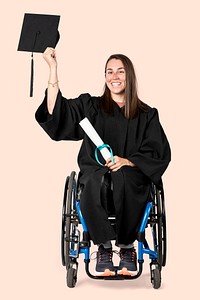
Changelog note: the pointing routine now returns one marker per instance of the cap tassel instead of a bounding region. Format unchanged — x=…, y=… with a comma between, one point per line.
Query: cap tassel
x=32, y=75
x=32, y=64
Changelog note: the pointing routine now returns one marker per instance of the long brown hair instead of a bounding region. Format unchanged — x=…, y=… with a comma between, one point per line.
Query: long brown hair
x=133, y=105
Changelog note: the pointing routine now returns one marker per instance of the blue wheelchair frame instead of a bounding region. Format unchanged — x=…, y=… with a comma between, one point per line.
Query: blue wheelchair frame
x=142, y=249
x=72, y=245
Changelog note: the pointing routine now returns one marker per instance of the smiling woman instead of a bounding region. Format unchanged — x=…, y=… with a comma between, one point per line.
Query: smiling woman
x=141, y=153
x=121, y=86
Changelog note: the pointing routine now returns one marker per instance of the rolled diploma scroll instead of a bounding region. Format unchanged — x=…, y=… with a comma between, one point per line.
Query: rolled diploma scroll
x=95, y=138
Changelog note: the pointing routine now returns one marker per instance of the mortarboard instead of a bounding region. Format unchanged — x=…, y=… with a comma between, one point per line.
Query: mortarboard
x=38, y=32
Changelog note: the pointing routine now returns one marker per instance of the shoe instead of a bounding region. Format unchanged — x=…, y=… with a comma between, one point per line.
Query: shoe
x=128, y=265
x=104, y=266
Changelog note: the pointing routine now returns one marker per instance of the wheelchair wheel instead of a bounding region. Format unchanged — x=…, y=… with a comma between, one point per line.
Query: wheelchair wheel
x=71, y=276
x=68, y=217
x=156, y=278
x=159, y=228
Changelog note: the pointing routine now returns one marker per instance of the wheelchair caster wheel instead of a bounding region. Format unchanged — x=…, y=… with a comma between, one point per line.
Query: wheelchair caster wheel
x=156, y=278
x=71, y=277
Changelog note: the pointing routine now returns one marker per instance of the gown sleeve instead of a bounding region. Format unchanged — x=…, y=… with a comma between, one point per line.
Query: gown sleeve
x=154, y=153
x=63, y=123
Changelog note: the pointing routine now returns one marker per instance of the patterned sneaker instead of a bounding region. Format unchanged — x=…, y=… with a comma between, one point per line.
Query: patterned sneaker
x=104, y=266
x=128, y=265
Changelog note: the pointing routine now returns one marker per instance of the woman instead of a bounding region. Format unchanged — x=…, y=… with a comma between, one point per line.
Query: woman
x=140, y=147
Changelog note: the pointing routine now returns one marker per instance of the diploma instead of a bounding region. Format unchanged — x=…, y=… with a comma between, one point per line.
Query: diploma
x=95, y=138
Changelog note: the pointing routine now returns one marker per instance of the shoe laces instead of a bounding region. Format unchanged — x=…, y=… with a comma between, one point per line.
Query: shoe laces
x=127, y=254
x=105, y=254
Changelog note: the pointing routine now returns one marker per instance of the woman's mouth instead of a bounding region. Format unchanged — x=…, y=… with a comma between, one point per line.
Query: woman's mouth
x=115, y=84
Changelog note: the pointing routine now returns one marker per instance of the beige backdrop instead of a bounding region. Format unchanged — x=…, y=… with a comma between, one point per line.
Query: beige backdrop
x=162, y=39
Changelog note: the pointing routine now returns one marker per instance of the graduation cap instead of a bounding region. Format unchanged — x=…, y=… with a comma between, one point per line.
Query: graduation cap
x=38, y=32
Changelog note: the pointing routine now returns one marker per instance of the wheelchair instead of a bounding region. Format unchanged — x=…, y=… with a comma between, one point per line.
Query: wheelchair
x=75, y=238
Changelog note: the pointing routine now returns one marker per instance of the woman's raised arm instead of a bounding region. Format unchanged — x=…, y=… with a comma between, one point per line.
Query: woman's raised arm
x=50, y=57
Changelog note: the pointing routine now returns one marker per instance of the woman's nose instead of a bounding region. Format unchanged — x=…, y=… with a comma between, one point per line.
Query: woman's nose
x=115, y=75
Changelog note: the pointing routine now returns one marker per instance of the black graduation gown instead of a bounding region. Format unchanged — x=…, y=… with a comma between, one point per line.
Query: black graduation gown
x=141, y=140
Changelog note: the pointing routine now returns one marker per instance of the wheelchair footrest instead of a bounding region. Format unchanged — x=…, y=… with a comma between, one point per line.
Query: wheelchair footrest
x=116, y=276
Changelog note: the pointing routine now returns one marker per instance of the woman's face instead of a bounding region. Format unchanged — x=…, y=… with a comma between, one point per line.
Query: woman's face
x=115, y=77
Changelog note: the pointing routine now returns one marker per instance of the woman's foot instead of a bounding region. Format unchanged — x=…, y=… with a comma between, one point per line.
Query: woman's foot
x=104, y=266
x=128, y=262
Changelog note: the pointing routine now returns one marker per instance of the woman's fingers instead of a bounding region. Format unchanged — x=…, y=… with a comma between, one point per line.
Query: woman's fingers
x=109, y=162
x=118, y=163
x=50, y=56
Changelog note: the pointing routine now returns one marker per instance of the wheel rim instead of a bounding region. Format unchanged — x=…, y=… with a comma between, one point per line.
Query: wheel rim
x=159, y=228
x=68, y=208
x=63, y=229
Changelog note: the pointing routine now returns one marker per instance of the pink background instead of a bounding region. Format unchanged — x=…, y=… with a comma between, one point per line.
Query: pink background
x=162, y=40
